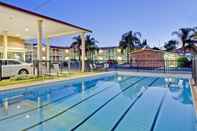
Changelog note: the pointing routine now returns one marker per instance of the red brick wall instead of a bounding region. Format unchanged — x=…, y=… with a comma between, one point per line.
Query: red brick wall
x=147, y=58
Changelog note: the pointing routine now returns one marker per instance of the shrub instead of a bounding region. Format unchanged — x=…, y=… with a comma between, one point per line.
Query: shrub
x=22, y=77
x=182, y=62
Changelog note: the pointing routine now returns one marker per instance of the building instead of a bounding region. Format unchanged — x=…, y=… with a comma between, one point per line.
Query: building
x=111, y=53
x=153, y=58
x=15, y=48
x=57, y=53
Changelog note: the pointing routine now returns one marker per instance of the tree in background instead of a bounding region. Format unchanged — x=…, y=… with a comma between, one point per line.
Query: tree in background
x=144, y=44
x=185, y=35
x=155, y=48
x=129, y=41
x=90, y=46
x=171, y=45
x=76, y=44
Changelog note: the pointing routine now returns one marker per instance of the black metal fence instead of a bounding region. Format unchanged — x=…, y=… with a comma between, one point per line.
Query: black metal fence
x=163, y=66
x=54, y=67
x=194, y=69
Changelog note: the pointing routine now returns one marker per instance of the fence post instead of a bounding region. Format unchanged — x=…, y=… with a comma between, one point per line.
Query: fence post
x=38, y=67
x=194, y=68
x=164, y=63
x=0, y=70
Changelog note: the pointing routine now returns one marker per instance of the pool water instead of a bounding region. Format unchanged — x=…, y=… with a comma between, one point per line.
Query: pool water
x=102, y=103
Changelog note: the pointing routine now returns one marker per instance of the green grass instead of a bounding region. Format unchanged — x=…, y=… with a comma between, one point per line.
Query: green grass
x=25, y=80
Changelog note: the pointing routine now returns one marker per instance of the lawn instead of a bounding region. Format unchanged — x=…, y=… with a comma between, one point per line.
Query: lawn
x=22, y=80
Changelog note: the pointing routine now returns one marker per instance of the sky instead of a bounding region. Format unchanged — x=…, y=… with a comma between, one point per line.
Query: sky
x=109, y=19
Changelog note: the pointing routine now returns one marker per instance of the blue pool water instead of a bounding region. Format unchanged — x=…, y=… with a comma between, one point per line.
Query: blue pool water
x=110, y=102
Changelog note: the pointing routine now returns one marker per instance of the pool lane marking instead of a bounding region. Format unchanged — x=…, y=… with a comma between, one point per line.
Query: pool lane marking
x=99, y=108
x=52, y=102
x=157, y=113
x=131, y=105
x=76, y=104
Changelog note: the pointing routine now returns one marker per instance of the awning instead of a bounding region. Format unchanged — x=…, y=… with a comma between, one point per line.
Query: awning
x=24, y=24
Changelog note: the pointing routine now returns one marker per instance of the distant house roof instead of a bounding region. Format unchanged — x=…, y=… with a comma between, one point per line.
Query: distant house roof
x=148, y=49
x=53, y=46
x=59, y=47
x=108, y=47
x=142, y=50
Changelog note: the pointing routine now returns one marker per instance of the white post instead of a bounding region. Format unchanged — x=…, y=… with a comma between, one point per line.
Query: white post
x=39, y=39
x=48, y=54
x=47, y=49
x=5, y=41
x=82, y=35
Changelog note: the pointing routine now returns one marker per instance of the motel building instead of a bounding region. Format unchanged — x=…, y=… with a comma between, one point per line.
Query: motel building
x=57, y=53
x=18, y=26
x=111, y=53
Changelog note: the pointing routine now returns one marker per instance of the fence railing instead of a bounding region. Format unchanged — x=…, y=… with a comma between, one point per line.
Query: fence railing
x=54, y=67
x=164, y=66
x=194, y=69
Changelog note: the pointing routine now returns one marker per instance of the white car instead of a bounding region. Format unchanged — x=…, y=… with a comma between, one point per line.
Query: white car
x=15, y=67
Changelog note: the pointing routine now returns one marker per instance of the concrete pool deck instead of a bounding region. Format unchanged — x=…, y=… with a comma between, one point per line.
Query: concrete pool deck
x=132, y=73
x=24, y=85
x=194, y=94
x=156, y=74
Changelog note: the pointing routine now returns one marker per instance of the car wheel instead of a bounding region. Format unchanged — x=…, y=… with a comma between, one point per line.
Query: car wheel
x=23, y=72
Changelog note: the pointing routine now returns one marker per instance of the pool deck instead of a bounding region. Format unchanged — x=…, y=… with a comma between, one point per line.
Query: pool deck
x=16, y=86
x=152, y=74
x=156, y=74
x=194, y=94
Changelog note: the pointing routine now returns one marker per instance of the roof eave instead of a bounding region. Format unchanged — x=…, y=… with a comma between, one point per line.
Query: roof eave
x=42, y=16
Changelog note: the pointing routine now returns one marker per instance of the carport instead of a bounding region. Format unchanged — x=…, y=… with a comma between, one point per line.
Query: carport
x=18, y=22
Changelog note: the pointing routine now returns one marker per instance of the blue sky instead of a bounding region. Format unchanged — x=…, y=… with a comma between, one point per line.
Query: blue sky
x=109, y=19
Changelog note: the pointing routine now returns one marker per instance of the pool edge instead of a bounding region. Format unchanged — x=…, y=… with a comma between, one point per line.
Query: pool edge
x=26, y=85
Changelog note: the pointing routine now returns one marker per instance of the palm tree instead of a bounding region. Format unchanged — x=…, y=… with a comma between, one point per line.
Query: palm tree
x=185, y=35
x=192, y=42
x=129, y=41
x=76, y=44
x=171, y=45
x=90, y=46
x=144, y=44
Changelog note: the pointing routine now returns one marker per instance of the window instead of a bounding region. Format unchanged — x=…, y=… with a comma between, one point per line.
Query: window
x=16, y=55
x=12, y=62
x=4, y=62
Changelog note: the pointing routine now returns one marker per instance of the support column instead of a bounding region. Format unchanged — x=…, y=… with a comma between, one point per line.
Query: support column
x=47, y=49
x=5, y=41
x=39, y=40
x=82, y=35
x=48, y=54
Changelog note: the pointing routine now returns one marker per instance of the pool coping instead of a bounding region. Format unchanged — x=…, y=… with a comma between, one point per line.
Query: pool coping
x=26, y=85
x=194, y=95
x=155, y=74
x=132, y=73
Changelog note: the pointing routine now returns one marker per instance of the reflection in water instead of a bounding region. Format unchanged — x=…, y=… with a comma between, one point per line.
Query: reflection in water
x=180, y=91
x=5, y=105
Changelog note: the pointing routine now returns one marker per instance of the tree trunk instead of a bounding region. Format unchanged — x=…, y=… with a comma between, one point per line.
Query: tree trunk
x=128, y=52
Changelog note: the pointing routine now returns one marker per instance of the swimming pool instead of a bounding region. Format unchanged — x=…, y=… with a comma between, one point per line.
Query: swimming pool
x=101, y=103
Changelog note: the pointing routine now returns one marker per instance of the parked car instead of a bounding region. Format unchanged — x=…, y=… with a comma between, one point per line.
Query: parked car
x=15, y=67
x=112, y=62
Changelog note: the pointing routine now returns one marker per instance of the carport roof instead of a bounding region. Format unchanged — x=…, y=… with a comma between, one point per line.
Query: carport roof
x=24, y=23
